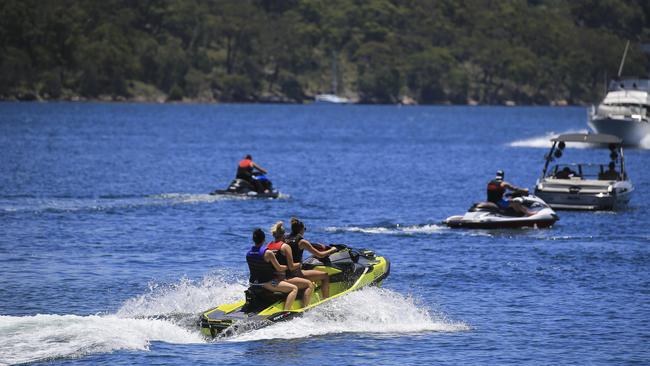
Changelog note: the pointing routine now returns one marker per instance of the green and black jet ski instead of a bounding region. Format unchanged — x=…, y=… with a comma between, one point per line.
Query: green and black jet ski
x=349, y=270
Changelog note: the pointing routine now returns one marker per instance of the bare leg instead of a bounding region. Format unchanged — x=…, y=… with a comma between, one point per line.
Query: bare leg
x=287, y=288
x=303, y=283
x=315, y=275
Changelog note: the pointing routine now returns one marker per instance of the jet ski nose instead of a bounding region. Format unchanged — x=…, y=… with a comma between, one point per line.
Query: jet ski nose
x=556, y=217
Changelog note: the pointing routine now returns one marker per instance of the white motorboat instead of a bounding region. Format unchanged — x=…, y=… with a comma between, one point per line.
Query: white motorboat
x=330, y=98
x=585, y=186
x=624, y=112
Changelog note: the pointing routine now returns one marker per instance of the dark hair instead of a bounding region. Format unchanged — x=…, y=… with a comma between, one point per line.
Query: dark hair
x=249, y=157
x=258, y=236
x=296, y=225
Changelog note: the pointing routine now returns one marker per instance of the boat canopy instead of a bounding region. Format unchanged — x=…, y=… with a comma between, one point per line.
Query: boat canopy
x=596, y=138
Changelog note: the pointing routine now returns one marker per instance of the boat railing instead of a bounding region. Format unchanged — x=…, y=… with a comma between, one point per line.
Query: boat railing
x=584, y=171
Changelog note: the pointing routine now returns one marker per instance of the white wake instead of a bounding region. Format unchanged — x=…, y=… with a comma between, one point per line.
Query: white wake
x=392, y=230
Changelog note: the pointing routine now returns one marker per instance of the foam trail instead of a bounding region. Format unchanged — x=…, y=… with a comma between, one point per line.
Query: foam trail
x=395, y=230
x=371, y=310
x=56, y=204
x=165, y=313
x=45, y=337
x=544, y=141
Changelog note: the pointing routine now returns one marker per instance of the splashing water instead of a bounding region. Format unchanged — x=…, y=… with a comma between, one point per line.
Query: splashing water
x=645, y=143
x=544, y=141
x=394, y=230
x=370, y=310
x=42, y=337
x=165, y=313
x=162, y=314
x=186, y=297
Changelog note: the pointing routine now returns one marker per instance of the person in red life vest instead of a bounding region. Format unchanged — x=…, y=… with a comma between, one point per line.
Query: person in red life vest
x=298, y=244
x=263, y=264
x=245, y=171
x=497, y=187
x=285, y=257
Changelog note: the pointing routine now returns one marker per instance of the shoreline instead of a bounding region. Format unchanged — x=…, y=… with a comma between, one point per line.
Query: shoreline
x=144, y=100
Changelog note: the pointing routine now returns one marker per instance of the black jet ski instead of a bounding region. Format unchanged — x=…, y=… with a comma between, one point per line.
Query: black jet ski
x=349, y=270
x=487, y=215
x=242, y=188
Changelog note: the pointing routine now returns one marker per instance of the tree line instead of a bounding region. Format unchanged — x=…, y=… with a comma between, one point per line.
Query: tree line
x=375, y=51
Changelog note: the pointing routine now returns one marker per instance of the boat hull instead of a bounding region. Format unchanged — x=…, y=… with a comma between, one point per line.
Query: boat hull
x=632, y=132
x=574, y=197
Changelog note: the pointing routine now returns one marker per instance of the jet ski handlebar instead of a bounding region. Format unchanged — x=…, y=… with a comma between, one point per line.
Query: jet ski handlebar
x=519, y=192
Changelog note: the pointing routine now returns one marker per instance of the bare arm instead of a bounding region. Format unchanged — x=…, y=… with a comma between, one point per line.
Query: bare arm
x=286, y=249
x=315, y=252
x=258, y=168
x=270, y=257
x=512, y=187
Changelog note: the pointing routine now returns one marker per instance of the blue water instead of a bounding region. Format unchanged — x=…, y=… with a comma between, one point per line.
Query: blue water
x=110, y=245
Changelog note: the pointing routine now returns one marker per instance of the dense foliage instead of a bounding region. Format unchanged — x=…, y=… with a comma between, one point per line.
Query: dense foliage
x=379, y=51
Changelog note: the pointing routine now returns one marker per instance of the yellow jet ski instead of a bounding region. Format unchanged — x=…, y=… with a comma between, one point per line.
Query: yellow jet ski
x=348, y=269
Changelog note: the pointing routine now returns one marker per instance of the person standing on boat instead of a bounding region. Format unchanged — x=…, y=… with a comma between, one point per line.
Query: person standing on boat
x=245, y=171
x=263, y=265
x=298, y=244
x=285, y=257
x=496, y=188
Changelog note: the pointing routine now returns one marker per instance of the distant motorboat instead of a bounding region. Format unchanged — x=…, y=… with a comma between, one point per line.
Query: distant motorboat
x=330, y=98
x=585, y=186
x=624, y=111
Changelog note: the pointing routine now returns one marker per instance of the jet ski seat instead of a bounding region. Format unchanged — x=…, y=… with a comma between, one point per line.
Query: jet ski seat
x=259, y=298
x=492, y=207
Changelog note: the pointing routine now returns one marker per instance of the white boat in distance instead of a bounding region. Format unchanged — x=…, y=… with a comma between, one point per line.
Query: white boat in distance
x=330, y=98
x=585, y=186
x=624, y=111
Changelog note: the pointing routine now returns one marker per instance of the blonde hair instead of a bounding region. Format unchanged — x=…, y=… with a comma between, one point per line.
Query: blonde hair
x=278, y=229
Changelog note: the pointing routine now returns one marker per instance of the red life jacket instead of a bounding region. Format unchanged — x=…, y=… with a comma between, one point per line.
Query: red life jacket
x=246, y=163
x=495, y=191
x=276, y=246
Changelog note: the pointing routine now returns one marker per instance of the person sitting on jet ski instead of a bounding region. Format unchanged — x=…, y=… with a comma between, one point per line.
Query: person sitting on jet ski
x=246, y=169
x=285, y=257
x=263, y=264
x=496, y=188
x=298, y=244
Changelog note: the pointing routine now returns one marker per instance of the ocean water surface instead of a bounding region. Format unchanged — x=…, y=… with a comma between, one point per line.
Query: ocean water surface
x=110, y=245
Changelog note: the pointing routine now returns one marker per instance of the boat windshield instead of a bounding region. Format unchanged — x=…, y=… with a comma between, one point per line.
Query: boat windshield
x=584, y=171
x=630, y=84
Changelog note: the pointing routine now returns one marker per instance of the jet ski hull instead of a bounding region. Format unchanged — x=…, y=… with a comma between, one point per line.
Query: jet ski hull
x=349, y=270
x=249, y=194
x=242, y=188
x=458, y=222
x=488, y=216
